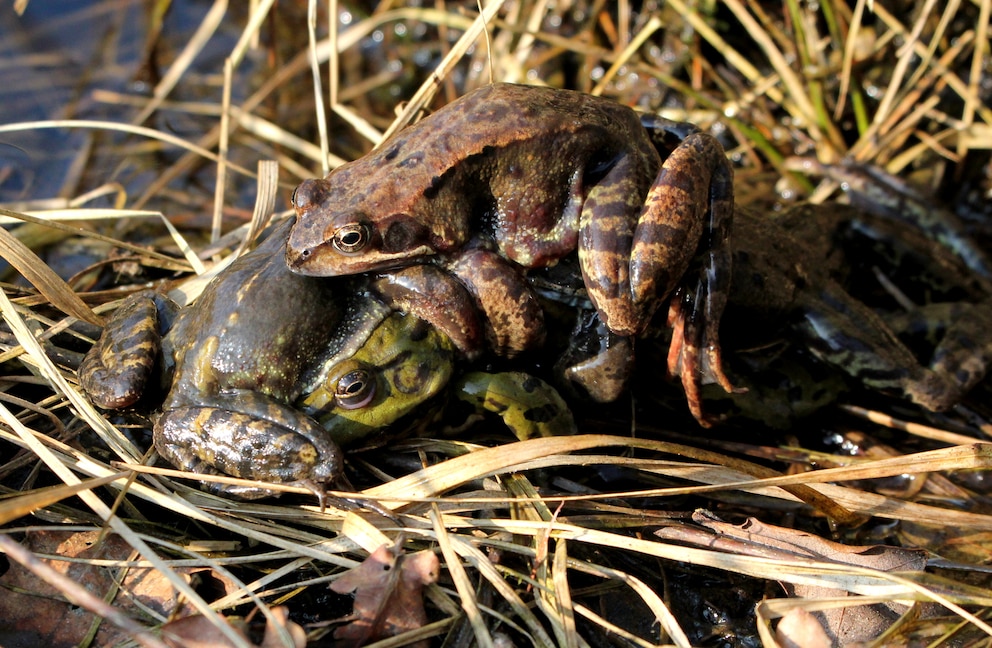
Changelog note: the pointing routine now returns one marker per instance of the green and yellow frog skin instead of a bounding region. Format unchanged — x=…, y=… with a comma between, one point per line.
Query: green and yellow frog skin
x=530, y=175
x=268, y=372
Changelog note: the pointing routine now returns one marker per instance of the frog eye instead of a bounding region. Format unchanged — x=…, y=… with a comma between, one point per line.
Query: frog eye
x=355, y=389
x=351, y=238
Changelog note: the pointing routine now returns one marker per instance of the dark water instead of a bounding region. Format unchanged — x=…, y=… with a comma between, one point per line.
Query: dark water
x=54, y=58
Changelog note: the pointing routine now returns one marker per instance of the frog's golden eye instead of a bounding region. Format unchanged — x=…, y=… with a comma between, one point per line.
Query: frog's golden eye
x=355, y=389
x=351, y=238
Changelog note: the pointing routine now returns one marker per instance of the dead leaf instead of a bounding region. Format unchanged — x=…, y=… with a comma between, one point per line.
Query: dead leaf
x=800, y=629
x=389, y=599
x=32, y=608
x=755, y=538
x=196, y=631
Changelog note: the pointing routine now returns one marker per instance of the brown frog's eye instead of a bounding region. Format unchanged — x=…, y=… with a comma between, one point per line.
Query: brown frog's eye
x=351, y=238
x=355, y=389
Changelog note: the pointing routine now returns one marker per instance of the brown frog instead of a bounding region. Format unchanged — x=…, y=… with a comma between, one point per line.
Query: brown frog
x=527, y=175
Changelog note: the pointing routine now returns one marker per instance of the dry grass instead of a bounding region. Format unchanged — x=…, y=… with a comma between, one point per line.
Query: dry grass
x=823, y=81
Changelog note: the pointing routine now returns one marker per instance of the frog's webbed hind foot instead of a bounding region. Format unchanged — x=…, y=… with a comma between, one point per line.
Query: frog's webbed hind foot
x=695, y=355
x=696, y=177
x=120, y=365
x=962, y=343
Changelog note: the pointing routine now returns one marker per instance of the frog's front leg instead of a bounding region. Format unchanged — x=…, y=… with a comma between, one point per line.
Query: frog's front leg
x=528, y=406
x=513, y=317
x=117, y=369
x=245, y=434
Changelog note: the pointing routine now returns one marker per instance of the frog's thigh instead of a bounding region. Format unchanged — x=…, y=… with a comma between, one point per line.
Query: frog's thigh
x=261, y=439
x=528, y=406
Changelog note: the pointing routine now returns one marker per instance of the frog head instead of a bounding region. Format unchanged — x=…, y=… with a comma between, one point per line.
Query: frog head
x=349, y=223
x=403, y=364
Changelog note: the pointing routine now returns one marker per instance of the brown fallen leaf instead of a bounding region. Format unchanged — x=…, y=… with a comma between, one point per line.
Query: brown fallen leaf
x=800, y=629
x=755, y=538
x=196, y=631
x=389, y=599
x=37, y=612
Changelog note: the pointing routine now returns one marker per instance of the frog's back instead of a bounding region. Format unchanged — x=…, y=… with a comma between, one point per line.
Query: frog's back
x=257, y=325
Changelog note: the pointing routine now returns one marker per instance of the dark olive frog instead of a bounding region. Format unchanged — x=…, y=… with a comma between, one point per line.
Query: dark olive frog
x=269, y=371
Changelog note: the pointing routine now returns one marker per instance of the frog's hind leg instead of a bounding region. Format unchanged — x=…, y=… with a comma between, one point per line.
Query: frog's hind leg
x=853, y=338
x=697, y=303
x=245, y=434
x=961, y=340
x=117, y=369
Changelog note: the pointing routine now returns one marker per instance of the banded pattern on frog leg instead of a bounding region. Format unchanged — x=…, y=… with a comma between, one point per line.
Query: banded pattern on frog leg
x=542, y=173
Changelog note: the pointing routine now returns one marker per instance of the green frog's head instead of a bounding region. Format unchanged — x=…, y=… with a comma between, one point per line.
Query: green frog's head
x=404, y=362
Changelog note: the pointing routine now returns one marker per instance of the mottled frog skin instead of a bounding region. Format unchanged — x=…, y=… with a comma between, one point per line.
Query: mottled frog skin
x=792, y=270
x=530, y=175
x=269, y=371
x=797, y=285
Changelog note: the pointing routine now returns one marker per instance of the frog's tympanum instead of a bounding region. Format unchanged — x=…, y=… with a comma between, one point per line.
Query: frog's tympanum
x=268, y=371
x=530, y=175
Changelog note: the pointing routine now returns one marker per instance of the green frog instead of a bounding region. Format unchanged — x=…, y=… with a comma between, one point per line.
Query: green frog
x=269, y=371
x=524, y=176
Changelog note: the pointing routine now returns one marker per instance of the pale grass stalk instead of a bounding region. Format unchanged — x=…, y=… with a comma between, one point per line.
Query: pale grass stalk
x=463, y=584
x=978, y=58
x=140, y=131
x=513, y=72
x=478, y=560
x=223, y=146
x=318, y=88
x=653, y=25
x=953, y=81
x=803, y=109
x=208, y=25
x=429, y=87
x=563, y=595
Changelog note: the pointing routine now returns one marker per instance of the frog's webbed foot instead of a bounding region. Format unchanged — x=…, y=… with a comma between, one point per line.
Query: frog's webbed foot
x=117, y=369
x=597, y=360
x=697, y=303
x=962, y=350
x=694, y=354
x=528, y=406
